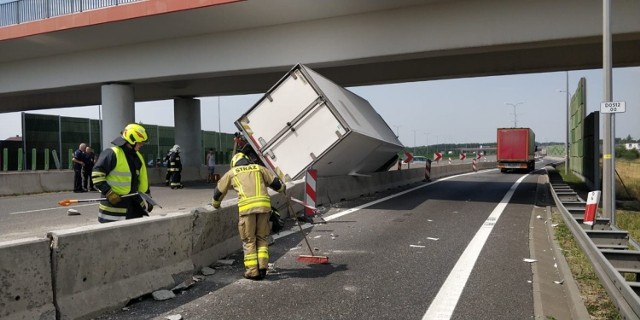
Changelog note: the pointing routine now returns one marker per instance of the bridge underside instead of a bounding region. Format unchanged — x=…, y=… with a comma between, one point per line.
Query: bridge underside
x=363, y=43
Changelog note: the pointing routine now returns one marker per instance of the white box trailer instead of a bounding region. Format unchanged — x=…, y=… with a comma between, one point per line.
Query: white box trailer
x=305, y=120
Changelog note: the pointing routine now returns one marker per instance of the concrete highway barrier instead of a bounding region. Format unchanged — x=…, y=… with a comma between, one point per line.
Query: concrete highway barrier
x=25, y=280
x=93, y=269
x=30, y=182
x=101, y=267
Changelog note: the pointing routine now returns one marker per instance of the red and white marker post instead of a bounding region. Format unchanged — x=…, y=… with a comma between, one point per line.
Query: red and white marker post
x=592, y=206
x=310, y=191
x=474, y=165
x=427, y=170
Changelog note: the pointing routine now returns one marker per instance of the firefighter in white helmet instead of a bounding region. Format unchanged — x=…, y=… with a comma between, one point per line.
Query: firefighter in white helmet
x=174, y=168
x=121, y=170
x=254, y=206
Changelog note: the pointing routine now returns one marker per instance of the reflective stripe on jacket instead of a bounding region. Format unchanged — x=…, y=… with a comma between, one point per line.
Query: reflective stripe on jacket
x=120, y=177
x=251, y=183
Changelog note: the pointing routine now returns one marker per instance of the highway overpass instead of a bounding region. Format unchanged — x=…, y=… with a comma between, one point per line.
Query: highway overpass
x=158, y=50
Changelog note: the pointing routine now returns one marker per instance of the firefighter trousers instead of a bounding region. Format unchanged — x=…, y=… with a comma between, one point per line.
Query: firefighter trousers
x=254, y=230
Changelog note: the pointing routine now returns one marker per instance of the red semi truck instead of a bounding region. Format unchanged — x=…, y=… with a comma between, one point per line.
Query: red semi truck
x=516, y=149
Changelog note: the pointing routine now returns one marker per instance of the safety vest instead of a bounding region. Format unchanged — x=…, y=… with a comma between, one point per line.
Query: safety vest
x=252, y=192
x=120, y=177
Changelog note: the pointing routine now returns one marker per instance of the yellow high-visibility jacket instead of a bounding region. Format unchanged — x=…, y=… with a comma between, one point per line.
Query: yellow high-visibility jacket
x=251, y=182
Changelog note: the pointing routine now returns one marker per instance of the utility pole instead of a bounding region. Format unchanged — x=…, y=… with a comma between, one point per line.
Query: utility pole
x=608, y=152
x=414, y=141
x=515, y=115
x=219, y=128
x=567, y=145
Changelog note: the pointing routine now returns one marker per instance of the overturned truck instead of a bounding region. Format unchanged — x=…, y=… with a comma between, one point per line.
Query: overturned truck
x=307, y=121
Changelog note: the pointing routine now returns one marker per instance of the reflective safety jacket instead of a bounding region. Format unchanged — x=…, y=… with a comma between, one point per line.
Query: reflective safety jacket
x=174, y=163
x=113, y=172
x=251, y=182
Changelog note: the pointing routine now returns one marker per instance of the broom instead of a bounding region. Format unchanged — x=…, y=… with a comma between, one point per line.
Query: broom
x=306, y=258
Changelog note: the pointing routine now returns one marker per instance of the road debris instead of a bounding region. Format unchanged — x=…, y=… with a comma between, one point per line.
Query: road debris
x=184, y=285
x=162, y=295
x=416, y=246
x=529, y=260
x=433, y=239
x=225, y=262
x=73, y=212
x=207, y=271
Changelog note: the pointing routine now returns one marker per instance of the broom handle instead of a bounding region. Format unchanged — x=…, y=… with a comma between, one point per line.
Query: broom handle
x=298, y=223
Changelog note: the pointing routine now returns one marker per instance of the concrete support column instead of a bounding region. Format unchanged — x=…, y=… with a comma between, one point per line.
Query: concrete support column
x=118, y=110
x=188, y=134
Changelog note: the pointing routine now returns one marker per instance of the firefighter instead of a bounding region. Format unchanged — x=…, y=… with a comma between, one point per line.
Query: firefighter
x=254, y=206
x=174, y=168
x=119, y=171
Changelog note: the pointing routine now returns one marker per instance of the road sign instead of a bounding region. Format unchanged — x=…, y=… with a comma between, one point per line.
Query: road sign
x=463, y=156
x=613, y=107
x=437, y=156
x=408, y=157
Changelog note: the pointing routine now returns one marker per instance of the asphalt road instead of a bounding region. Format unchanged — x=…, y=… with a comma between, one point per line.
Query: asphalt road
x=396, y=258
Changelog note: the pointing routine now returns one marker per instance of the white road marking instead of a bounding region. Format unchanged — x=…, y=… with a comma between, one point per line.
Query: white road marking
x=65, y=208
x=447, y=298
x=352, y=210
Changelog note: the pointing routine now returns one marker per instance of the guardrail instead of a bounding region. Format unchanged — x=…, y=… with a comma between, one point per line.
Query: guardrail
x=610, y=250
x=20, y=11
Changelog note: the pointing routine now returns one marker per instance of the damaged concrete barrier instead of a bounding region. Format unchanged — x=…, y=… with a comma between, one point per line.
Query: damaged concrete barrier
x=25, y=280
x=101, y=267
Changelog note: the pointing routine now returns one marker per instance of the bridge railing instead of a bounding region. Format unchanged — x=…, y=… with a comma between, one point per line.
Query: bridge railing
x=20, y=11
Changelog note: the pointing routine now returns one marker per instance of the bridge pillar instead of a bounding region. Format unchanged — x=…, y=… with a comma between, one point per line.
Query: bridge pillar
x=188, y=134
x=118, y=110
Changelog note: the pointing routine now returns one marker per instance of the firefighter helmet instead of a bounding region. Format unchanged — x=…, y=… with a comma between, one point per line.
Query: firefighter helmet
x=240, y=159
x=134, y=133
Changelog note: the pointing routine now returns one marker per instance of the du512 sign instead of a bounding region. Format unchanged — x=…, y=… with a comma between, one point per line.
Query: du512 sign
x=613, y=107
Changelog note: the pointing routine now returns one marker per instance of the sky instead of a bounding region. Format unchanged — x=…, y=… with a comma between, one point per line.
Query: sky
x=467, y=110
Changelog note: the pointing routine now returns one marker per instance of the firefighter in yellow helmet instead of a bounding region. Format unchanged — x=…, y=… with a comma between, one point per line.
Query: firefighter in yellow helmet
x=119, y=171
x=254, y=206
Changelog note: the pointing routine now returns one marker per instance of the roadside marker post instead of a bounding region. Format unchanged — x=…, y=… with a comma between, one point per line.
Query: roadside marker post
x=590, y=209
x=427, y=170
x=310, y=191
x=474, y=165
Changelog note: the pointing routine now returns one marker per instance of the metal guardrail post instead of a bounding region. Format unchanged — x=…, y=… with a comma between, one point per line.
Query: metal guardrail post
x=46, y=159
x=20, y=159
x=34, y=159
x=5, y=159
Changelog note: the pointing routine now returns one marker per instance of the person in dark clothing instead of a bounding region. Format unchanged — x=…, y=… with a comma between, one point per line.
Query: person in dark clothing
x=89, y=161
x=78, y=163
x=167, y=178
x=121, y=174
x=174, y=168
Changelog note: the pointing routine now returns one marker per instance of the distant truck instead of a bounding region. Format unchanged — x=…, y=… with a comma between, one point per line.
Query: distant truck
x=516, y=149
x=305, y=120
